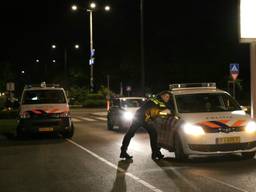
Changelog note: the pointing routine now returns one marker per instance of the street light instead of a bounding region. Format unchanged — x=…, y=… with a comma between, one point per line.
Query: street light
x=54, y=46
x=37, y=61
x=91, y=9
x=93, y=5
x=77, y=46
x=54, y=61
x=107, y=8
x=74, y=7
x=248, y=35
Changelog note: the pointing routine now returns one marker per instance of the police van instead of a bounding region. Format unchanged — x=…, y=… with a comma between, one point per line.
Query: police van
x=205, y=121
x=44, y=109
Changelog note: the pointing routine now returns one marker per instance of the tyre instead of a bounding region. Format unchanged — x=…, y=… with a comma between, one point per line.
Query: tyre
x=248, y=155
x=69, y=133
x=178, y=149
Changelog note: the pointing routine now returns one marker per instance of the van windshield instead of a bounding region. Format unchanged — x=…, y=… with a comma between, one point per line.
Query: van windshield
x=206, y=102
x=43, y=96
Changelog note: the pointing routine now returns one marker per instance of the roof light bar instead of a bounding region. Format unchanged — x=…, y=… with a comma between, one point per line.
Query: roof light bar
x=192, y=86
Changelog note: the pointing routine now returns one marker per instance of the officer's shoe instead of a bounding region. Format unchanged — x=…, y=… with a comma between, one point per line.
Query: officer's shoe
x=157, y=155
x=125, y=155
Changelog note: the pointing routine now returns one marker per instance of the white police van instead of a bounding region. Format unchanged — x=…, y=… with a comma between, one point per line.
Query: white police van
x=43, y=109
x=205, y=121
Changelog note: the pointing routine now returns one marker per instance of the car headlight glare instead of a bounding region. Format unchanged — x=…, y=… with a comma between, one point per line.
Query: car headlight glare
x=128, y=115
x=194, y=130
x=250, y=127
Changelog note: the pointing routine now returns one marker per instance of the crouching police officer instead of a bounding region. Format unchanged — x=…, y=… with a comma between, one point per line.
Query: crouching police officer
x=144, y=118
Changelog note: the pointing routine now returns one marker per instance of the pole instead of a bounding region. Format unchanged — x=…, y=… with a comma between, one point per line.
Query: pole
x=91, y=49
x=66, y=67
x=234, y=88
x=142, y=47
x=253, y=77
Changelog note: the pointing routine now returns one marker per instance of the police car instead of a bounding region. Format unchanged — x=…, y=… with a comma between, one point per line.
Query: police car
x=121, y=112
x=205, y=121
x=43, y=109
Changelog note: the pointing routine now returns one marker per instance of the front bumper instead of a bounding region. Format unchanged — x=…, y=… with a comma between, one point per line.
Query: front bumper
x=207, y=145
x=39, y=125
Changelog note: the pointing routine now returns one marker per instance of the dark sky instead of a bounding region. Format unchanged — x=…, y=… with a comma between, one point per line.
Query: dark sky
x=185, y=41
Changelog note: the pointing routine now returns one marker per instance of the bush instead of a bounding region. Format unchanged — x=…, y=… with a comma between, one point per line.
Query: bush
x=94, y=103
x=8, y=114
x=2, y=102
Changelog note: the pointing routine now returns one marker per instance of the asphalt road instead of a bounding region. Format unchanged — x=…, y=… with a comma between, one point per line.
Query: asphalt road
x=90, y=163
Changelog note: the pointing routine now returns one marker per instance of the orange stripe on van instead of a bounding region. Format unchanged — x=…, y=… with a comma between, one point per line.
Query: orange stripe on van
x=209, y=124
x=224, y=121
x=238, y=123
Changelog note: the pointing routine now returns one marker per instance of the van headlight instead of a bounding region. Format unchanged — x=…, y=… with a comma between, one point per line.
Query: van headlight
x=250, y=127
x=194, y=130
x=128, y=115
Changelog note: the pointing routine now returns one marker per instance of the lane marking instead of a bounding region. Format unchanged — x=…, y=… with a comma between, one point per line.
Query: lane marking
x=224, y=183
x=101, y=118
x=75, y=120
x=141, y=181
x=87, y=119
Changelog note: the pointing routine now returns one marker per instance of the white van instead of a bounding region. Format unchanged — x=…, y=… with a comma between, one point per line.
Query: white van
x=44, y=108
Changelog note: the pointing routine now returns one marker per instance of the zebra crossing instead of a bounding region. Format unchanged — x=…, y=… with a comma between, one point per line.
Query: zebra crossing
x=78, y=119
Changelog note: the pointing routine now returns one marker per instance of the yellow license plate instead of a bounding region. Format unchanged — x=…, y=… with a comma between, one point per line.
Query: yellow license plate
x=45, y=129
x=227, y=140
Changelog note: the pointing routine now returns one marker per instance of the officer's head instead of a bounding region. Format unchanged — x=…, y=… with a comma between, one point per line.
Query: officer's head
x=165, y=96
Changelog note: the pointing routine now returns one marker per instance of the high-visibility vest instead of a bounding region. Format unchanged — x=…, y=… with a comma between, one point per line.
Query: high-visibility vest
x=154, y=112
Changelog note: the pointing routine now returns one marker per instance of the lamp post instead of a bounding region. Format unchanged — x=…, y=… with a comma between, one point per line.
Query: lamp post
x=76, y=46
x=248, y=35
x=90, y=10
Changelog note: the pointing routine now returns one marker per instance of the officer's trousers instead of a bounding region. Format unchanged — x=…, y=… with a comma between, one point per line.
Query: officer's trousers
x=131, y=132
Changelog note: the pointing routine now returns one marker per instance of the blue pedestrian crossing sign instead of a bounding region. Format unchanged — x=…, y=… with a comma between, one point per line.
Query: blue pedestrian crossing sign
x=234, y=70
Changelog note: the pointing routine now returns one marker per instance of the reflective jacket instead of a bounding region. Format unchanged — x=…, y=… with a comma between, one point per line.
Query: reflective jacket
x=150, y=110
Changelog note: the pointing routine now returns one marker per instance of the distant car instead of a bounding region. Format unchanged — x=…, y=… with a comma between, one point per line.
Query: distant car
x=121, y=112
x=205, y=121
x=44, y=109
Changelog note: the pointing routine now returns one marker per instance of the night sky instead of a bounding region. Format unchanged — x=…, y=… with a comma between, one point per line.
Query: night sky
x=185, y=41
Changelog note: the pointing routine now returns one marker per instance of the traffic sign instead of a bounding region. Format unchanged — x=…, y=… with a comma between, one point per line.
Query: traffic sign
x=128, y=88
x=91, y=61
x=234, y=70
x=92, y=53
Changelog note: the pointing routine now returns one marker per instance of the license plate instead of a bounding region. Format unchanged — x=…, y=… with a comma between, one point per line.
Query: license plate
x=45, y=129
x=227, y=140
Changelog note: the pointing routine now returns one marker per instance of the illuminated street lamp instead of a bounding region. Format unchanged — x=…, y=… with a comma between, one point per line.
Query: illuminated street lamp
x=91, y=9
x=248, y=35
x=107, y=8
x=74, y=7
x=77, y=46
x=54, y=61
x=54, y=46
x=37, y=61
x=92, y=5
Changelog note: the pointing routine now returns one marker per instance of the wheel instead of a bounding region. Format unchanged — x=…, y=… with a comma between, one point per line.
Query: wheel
x=178, y=149
x=110, y=124
x=69, y=133
x=249, y=155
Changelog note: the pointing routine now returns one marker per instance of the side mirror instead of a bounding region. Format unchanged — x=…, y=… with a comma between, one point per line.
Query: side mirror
x=245, y=109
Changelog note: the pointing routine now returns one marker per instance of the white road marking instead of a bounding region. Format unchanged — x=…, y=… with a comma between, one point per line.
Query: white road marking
x=101, y=118
x=224, y=183
x=141, y=181
x=87, y=119
x=75, y=120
